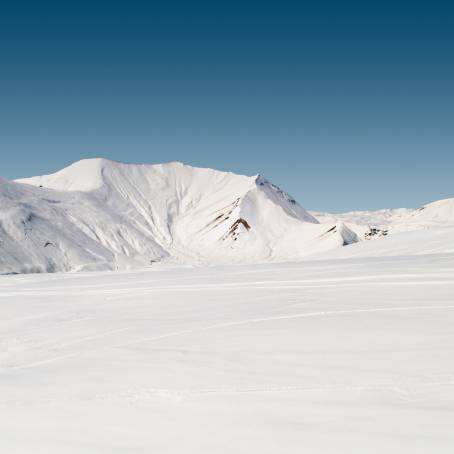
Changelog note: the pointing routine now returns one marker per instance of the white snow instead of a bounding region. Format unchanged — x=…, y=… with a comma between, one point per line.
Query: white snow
x=435, y=214
x=85, y=175
x=321, y=356
x=102, y=215
x=98, y=214
x=382, y=219
x=345, y=350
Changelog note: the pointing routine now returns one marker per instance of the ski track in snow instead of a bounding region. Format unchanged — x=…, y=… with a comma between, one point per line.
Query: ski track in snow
x=208, y=328
x=267, y=359
x=212, y=327
x=285, y=317
x=409, y=394
x=254, y=285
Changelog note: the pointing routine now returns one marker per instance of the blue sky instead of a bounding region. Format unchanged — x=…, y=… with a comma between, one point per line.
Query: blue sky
x=344, y=105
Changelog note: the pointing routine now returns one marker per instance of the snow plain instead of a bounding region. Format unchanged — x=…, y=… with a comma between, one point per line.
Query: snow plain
x=352, y=354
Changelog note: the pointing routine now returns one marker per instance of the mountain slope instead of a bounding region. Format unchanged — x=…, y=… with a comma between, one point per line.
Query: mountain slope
x=99, y=214
x=374, y=224
x=436, y=213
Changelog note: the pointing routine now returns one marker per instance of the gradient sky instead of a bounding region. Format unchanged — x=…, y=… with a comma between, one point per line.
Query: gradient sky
x=344, y=105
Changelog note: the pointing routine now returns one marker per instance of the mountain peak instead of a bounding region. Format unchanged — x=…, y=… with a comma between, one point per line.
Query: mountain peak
x=101, y=213
x=84, y=175
x=91, y=174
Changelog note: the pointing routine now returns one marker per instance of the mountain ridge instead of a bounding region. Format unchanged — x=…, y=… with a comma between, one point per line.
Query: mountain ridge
x=101, y=214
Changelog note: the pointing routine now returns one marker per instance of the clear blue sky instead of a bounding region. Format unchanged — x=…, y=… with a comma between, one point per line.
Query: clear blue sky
x=345, y=105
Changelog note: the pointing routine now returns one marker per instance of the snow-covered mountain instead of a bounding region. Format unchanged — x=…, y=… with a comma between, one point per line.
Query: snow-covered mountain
x=99, y=214
x=373, y=224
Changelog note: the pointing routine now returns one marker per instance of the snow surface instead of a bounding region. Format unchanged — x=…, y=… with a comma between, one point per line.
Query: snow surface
x=320, y=356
